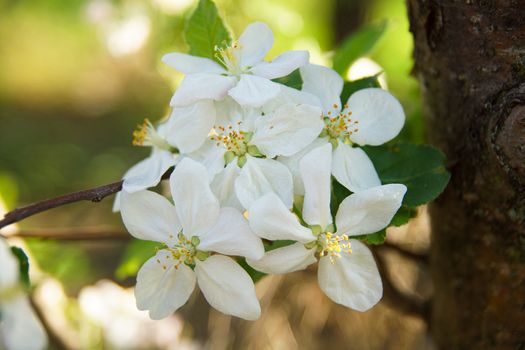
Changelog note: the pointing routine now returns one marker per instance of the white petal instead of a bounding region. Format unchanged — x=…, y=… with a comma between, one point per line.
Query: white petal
x=352, y=280
x=380, y=116
x=316, y=169
x=223, y=186
x=288, y=130
x=292, y=163
x=289, y=95
x=201, y=86
x=254, y=91
x=148, y=172
x=9, y=266
x=211, y=157
x=324, y=83
x=227, y=287
x=269, y=218
x=161, y=287
x=353, y=169
x=116, y=203
x=370, y=210
x=261, y=176
x=254, y=43
x=196, y=205
x=149, y=216
x=291, y=258
x=232, y=236
x=189, y=64
x=281, y=65
x=189, y=126
x=20, y=329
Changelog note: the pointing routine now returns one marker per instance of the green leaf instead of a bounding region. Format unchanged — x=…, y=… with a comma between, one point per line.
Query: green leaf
x=403, y=215
x=420, y=167
x=352, y=86
x=205, y=30
x=254, y=274
x=136, y=254
x=357, y=45
x=373, y=238
x=277, y=244
x=23, y=264
x=292, y=80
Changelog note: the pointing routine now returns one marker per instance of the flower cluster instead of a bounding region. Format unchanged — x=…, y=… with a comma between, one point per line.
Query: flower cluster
x=256, y=160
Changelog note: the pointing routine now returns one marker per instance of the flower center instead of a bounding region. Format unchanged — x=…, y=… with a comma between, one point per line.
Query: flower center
x=332, y=245
x=146, y=135
x=184, y=251
x=228, y=58
x=340, y=126
x=231, y=139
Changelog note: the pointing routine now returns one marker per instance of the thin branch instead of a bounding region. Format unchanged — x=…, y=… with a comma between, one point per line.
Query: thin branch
x=75, y=234
x=94, y=195
x=397, y=299
x=418, y=257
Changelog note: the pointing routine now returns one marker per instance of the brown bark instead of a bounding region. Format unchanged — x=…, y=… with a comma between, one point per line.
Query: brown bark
x=470, y=60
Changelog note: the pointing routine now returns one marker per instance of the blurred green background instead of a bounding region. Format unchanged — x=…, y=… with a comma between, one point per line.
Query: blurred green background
x=76, y=76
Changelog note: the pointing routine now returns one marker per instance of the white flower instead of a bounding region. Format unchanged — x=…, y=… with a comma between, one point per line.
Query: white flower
x=243, y=75
x=370, y=117
x=19, y=327
x=347, y=271
x=246, y=140
x=190, y=230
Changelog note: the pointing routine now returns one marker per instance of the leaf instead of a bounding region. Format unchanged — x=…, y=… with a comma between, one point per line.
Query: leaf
x=292, y=80
x=254, y=274
x=205, y=30
x=357, y=45
x=420, y=167
x=23, y=265
x=136, y=254
x=277, y=244
x=352, y=86
x=403, y=215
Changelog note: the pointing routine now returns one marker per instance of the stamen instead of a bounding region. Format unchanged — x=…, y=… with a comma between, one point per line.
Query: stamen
x=333, y=245
x=147, y=135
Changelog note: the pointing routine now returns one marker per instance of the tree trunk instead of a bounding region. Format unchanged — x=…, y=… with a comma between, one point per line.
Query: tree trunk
x=470, y=60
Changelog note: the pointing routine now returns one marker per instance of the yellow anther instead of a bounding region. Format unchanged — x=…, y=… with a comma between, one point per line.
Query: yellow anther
x=333, y=245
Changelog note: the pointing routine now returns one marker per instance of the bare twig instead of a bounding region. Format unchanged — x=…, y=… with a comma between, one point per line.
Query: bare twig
x=94, y=195
x=75, y=234
x=418, y=257
x=397, y=299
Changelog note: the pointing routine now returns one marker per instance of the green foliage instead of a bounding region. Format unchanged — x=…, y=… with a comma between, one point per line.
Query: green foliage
x=352, y=86
x=357, y=45
x=136, y=254
x=254, y=274
x=205, y=30
x=403, y=215
x=23, y=264
x=420, y=167
x=373, y=238
x=292, y=80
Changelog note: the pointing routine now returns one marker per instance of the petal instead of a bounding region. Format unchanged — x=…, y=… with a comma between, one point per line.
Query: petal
x=211, y=157
x=292, y=163
x=223, y=186
x=260, y=176
x=197, y=207
x=148, y=172
x=316, y=169
x=254, y=91
x=254, y=43
x=116, y=203
x=163, y=285
x=289, y=95
x=281, y=65
x=20, y=328
x=353, y=169
x=324, y=83
x=149, y=216
x=269, y=218
x=189, y=64
x=227, y=287
x=352, y=280
x=370, y=210
x=232, y=236
x=189, y=126
x=287, y=131
x=291, y=258
x=9, y=263
x=201, y=86
x=380, y=116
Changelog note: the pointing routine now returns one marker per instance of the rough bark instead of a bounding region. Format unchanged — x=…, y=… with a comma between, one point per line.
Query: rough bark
x=470, y=60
